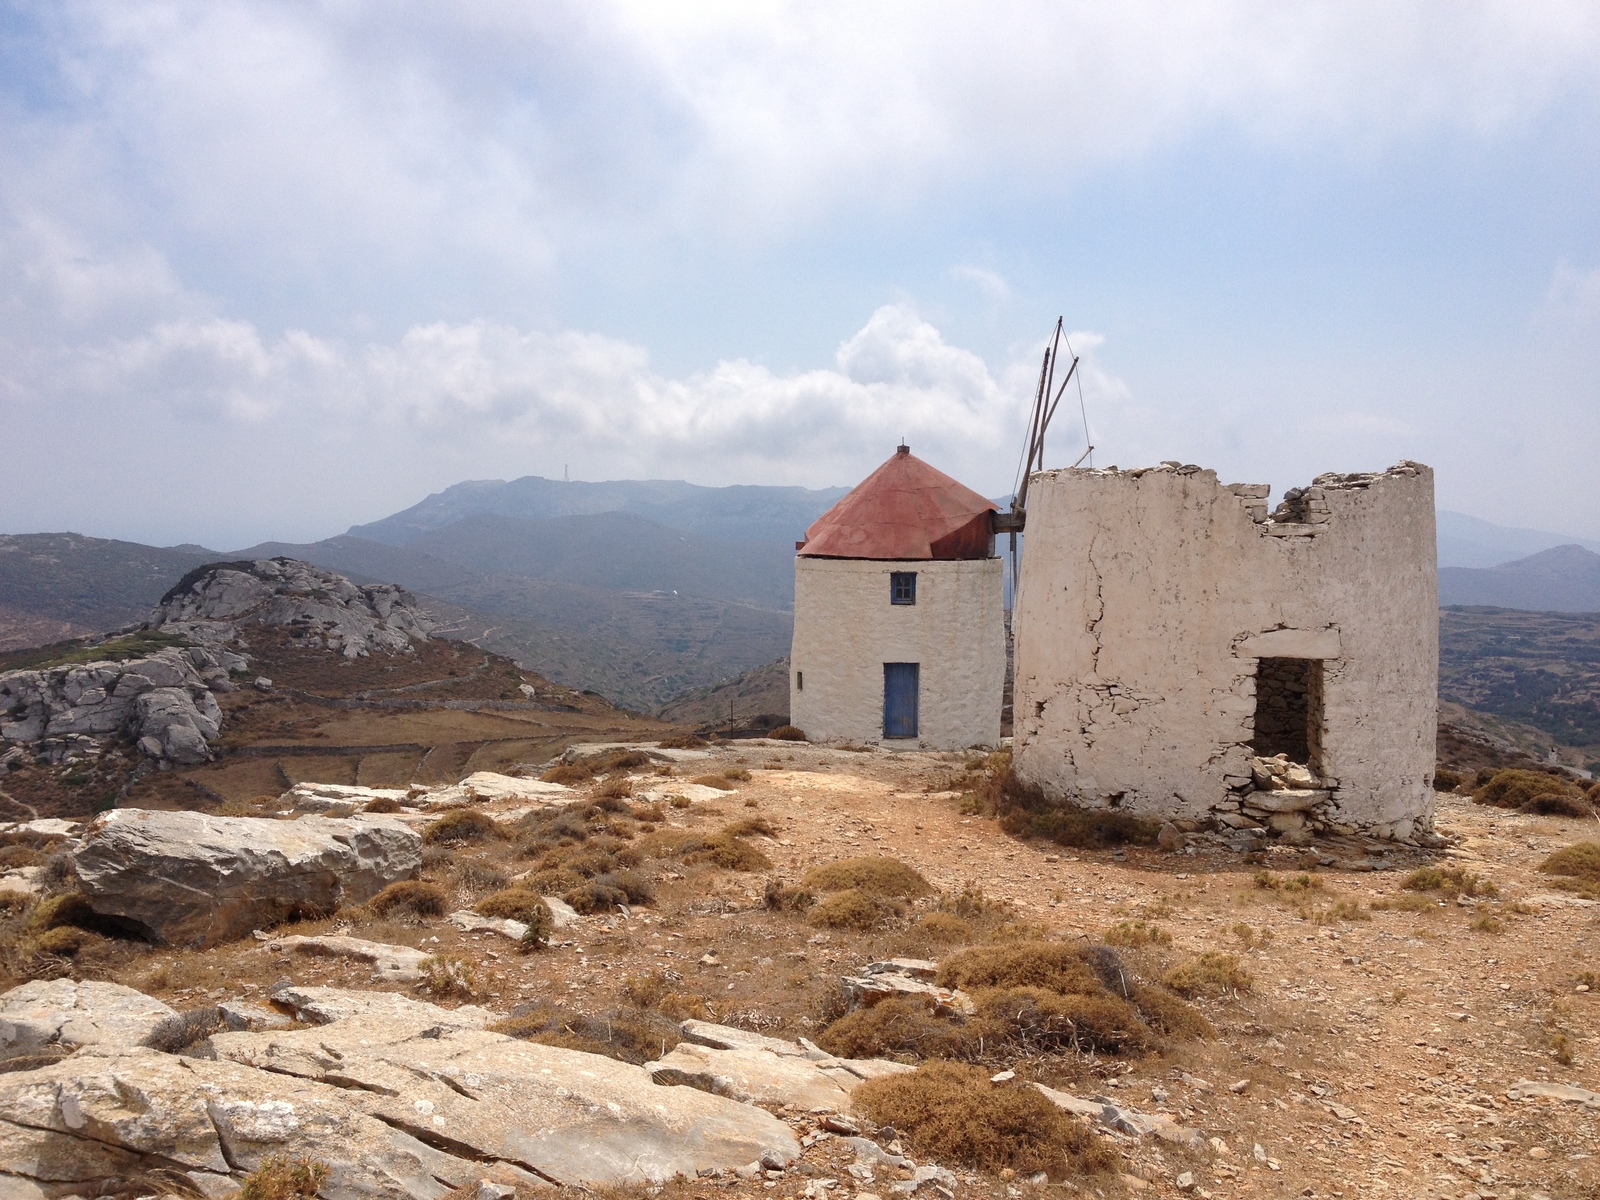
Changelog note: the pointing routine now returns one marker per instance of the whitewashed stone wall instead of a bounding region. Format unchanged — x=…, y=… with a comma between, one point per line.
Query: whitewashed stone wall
x=1145, y=599
x=845, y=629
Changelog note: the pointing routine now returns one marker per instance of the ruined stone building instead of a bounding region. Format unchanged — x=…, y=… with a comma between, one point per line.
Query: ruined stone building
x=1181, y=653
x=899, y=628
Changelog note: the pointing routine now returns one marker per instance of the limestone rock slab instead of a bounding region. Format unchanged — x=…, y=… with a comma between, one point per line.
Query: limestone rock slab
x=395, y=964
x=574, y=1118
x=65, y=1012
x=194, y=879
x=325, y=1005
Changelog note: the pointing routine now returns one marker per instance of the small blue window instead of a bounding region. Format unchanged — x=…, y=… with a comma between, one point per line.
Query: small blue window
x=902, y=587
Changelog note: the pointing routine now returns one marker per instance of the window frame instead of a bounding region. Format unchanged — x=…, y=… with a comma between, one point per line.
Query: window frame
x=909, y=580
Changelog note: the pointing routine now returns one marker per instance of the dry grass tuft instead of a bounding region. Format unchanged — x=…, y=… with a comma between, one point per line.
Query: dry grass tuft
x=1267, y=881
x=895, y=1026
x=787, y=733
x=410, y=896
x=953, y=1114
x=658, y=991
x=280, y=1177
x=879, y=876
x=1214, y=973
x=752, y=827
x=1130, y=934
x=714, y=781
x=461, y=825
x=444, y=977
x=515, y=904
x=945, y=928
x=383, y=804
x=1451, y=881
x=629, y=1035
x=684, y=741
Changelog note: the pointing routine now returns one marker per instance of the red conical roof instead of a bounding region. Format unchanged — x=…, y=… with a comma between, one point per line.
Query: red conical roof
x=904, y=510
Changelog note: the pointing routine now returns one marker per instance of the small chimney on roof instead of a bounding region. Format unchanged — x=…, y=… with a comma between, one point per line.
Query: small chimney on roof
x=902, y=448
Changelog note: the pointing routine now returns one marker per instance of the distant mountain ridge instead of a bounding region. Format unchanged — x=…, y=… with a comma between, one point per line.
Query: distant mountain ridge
x=1473, y=542
x=1561, y=579
x=747, y=513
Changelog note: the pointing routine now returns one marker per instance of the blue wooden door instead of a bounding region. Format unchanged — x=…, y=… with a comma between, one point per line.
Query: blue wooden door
x=900, y=699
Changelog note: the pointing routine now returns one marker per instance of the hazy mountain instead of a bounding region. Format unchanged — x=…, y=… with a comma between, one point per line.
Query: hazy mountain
x=778, y=515
x=639, y=648
x=90, y=584
x=1471, y=542
x=1561, y=579
x=619, y=552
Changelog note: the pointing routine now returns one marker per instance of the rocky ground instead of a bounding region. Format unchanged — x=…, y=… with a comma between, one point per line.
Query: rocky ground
x=1379, y=1040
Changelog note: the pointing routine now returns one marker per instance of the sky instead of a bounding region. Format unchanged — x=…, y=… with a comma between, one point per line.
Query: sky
x=268, y=270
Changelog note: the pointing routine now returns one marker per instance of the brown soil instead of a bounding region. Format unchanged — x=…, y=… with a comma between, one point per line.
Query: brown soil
x=1372, y=1051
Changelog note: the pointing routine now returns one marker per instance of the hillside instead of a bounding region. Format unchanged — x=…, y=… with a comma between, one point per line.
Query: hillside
x=326, y=681
x=55, y=585
x=1473, y=542
x=641, y=649
x=760, y=695
x=1540, y=669
x=619, y=552
x=1560, y=579
x=777, y=515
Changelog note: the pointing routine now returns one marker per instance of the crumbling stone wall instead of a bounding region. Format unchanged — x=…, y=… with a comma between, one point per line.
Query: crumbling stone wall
x=1156, y=606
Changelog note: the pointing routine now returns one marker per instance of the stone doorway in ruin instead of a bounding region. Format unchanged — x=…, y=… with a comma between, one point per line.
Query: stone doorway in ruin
x=1288, y=717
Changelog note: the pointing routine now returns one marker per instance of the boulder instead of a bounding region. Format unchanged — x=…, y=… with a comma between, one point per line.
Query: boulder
x=573, y=1118
x=320, y=797
x=63, y=1013
x=756, y=1076
x=863, y=991
x=193, y=879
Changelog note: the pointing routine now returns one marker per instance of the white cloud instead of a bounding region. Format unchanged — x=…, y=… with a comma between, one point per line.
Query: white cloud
x=991, y=283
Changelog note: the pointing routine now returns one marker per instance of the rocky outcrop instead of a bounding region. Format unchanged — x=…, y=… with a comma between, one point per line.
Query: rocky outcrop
x=568, y=1117
x=163, y=702
x=192, y=879
x=324, y=607
x=757, y=1069
x=63, y=1014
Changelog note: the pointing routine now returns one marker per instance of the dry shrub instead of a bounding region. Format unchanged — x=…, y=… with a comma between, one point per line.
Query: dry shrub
x=1168, y=1014
x=787, y=733
x=853, y=909
x=461, y=825
x=1451, y=881
x=683, y=741
x=649, y=812
x=1136, y=933
x=70, y=910
x=944, y=928
x=63, y=941
x=779, y=896
x=1414, y=902
x=722, y=849
x=515, y=904
x=13, y=902
x=630, y=1035
x=737, y=774
x=382, y=804
x=568, y=774
x=657, y=990
x=1053, y=965
x=971, y=904
x=1267, y=881
x=12, y=857
x=752, y=827
x=595, y=896
x=1558, y=806
x=1037, y=1019
x=1580, y=861
x=894, y=1026
x=410, y=896
x=678, y=801
x=1446, y=780
x=1512, y=788
x=1487, y=923
x=714, y=781
x=1339, y=910
x=615, y=789
x=445, y=977
x=879, y=876
x=182, y=1030
x=1214, y=973
x=479, y=876
x=280, y=1177
x=953, y=1114
x=1025, y=811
